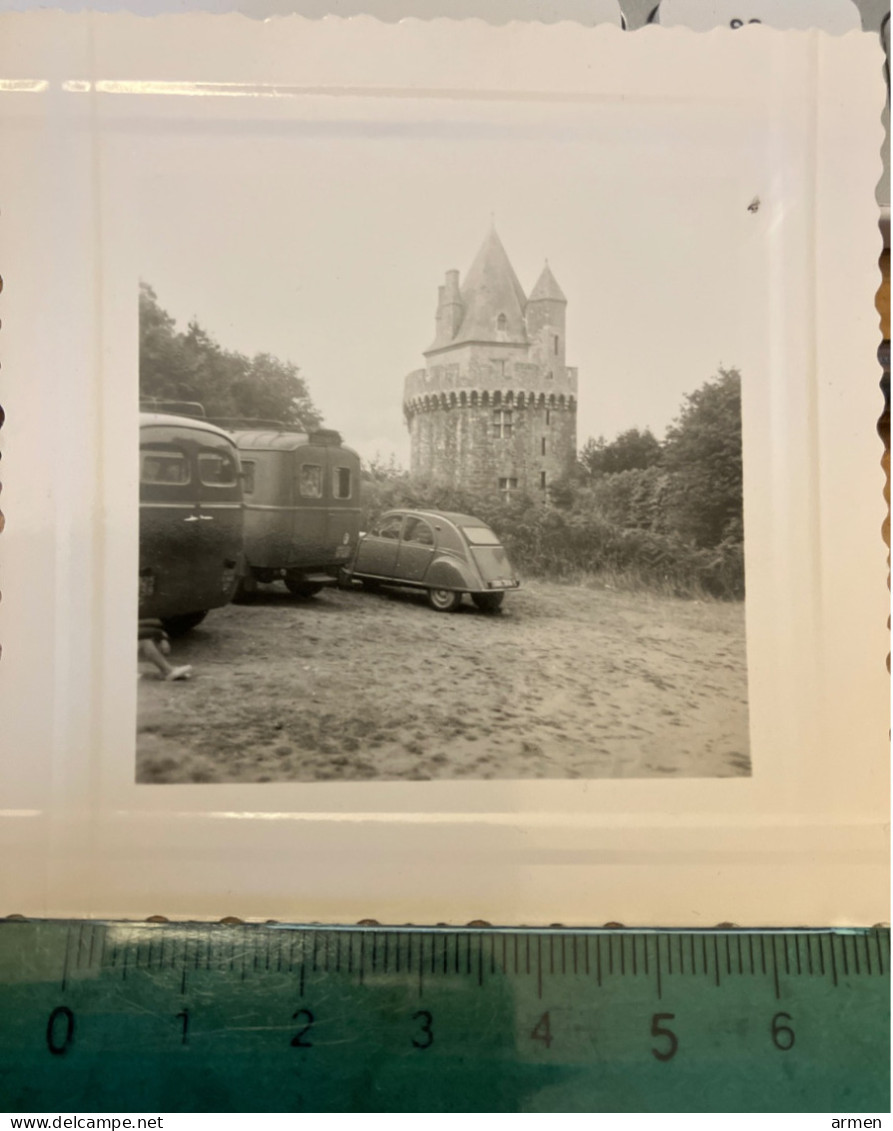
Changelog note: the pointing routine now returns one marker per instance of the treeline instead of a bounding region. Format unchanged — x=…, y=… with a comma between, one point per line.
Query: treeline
x=189, y=365
x=637, y=512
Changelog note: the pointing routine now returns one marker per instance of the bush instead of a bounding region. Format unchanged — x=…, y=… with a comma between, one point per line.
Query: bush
x=565, y=542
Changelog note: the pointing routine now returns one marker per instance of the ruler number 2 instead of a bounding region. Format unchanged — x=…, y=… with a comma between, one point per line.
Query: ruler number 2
x=297, y=1041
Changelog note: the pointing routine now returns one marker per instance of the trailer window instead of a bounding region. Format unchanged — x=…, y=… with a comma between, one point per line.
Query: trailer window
x=248, y=466
x=217, y=469
x=311, y=481
x=164, y=465
x=342, y=483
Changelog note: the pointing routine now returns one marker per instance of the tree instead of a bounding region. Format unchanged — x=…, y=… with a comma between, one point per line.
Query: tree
x=702, y=455
x=632, y=450
x=191, y=366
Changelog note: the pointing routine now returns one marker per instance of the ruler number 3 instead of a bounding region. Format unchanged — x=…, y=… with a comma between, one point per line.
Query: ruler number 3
x=425, y=1039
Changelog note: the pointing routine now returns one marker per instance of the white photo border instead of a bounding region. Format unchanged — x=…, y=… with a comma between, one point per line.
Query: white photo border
x=801, y=842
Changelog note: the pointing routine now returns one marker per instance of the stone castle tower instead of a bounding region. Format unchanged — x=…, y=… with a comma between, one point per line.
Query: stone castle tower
x=495, y=408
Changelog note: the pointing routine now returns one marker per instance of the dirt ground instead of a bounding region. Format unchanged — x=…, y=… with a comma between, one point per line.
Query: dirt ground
x=567, y=682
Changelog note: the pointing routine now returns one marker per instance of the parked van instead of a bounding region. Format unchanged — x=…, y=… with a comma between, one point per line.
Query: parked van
x=191, y=520
x=302, y=505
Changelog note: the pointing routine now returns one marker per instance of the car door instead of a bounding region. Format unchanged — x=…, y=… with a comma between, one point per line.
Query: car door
x=377, y=551
x=416, y=549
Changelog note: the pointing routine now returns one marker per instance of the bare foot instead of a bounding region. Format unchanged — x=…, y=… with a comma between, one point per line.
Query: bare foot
x=180, y=673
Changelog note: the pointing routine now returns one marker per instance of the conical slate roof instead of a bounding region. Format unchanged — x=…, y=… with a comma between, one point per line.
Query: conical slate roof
x=546, y=287
x=489, y=289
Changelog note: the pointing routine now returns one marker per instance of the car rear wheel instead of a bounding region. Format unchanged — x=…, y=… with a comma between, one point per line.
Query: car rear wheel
x=488, y=602
x=302, y=588
x=185, y=622
x=245, y=589
x=444, y=600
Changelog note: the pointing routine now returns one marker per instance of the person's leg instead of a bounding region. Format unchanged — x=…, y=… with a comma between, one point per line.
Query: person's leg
x=149, y=650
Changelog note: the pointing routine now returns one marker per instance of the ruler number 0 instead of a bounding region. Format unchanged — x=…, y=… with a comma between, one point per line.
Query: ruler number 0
x=782, y=1035
x=60, y=1030
x=659, y=1030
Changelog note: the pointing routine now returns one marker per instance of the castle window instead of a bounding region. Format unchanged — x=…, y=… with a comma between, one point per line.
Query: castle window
x=501, y=322
x=502, y=423
x=555, y=343
x=543, y=446
x=506, y=486
x=549, y=375
x=548, y=417
x=498, y=364
x=543, y=480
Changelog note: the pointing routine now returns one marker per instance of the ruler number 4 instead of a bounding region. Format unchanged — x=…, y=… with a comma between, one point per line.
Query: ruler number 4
x=542, y=1031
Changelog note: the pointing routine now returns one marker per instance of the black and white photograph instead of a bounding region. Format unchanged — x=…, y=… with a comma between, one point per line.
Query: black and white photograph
x=450, y=488
x=440, y=437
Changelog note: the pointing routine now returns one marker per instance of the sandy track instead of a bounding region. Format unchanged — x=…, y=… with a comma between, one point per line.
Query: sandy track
x=568, y=682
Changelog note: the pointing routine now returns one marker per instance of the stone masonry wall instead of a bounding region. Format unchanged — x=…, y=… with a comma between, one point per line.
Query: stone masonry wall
x=472, y=448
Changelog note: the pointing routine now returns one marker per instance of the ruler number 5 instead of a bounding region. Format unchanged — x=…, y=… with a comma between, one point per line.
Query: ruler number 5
x=658, y=1030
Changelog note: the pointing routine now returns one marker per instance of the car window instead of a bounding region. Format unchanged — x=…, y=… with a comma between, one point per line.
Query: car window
x=418, y=532
x=390, y=527
x=480, y=536
x=217, y=469
x=164, y=465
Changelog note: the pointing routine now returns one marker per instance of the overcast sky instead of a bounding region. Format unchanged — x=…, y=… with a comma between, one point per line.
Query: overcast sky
x=325, y=244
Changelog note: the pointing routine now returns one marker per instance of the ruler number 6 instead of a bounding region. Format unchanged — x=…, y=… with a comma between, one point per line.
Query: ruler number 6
x=782, y=1035
x=658, y=1030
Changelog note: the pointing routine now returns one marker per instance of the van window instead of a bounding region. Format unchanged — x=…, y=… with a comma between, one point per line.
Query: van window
x=248, y=466
x=311, y=481
x=342, y=483
x=217, y=469
x=164, y=465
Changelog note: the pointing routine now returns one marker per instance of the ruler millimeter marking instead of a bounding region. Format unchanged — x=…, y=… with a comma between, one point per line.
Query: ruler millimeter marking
x=182, y=1017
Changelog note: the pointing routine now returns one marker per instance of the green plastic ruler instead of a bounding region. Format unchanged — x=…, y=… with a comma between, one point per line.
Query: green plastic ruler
x=162, y=1017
